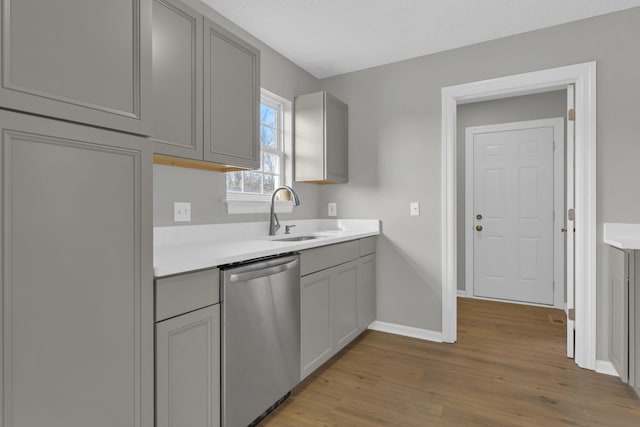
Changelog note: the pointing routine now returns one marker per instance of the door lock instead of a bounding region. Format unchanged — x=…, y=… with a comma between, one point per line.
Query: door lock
x=478, y=227
x=478, y=217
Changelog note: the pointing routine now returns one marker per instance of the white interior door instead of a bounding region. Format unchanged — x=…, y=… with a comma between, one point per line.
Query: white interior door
x=569, y=223
x=513, y=210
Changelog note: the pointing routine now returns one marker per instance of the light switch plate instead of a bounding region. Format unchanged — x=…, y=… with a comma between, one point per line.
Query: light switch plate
x=414, y=208
x=181, y=212
x=332, y=209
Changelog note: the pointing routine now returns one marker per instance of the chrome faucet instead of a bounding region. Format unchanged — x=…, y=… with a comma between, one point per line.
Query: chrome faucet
x=274, y=224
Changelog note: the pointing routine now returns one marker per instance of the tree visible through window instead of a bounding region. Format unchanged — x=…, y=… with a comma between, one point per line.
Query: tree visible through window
x=270, y=175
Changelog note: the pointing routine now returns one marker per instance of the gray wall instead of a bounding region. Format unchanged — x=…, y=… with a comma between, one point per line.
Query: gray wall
x=395, y=149
x=205, y=190
x=531, y=107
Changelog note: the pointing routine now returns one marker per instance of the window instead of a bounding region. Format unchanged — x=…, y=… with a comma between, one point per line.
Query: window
x=258, y=185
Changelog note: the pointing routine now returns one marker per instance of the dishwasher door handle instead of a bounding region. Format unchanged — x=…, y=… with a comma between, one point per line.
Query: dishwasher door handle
x=262, y=272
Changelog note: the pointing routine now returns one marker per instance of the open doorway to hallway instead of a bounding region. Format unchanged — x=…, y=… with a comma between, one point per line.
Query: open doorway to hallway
x=580, y=81
x=510, y=199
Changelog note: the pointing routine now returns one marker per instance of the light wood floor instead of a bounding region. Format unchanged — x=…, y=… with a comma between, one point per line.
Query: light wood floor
x=507, y=369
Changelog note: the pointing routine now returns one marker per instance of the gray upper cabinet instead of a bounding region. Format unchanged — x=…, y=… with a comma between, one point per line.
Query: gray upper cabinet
x=177, y=80
x=77, y=285
x=206, y=92
x=321, y=139
x=87, y=62
x=231, y=99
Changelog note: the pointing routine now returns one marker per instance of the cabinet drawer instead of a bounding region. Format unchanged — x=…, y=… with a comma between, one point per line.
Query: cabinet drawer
x=367, y=246
x=328, y=256
x=186, y=292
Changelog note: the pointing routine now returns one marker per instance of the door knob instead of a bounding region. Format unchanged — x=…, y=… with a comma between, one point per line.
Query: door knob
x=479, y=227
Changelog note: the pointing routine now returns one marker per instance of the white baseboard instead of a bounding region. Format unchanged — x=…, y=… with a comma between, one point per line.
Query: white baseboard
x=407, y=331
x=462, y=293
x=606, y=367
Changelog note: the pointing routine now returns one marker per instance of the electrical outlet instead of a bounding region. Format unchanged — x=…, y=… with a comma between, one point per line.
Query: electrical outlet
x=332, y=209
x=181, y=212
x=414, y=208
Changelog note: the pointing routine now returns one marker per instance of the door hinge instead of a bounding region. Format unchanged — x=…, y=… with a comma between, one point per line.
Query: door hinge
x=571, y=315
x=554, y=145
x=571, y=214
x=572, y=114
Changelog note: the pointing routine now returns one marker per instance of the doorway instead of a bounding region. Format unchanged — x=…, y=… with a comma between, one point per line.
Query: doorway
x=583, y=76
x=514, y=200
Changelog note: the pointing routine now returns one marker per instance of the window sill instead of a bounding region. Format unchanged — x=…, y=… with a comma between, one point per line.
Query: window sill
x=235, y=206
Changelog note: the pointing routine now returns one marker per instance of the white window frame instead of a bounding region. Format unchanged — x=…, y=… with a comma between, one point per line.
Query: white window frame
x=246, y=203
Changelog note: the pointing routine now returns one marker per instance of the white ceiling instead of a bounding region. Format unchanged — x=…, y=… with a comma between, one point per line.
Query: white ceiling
x=331, y=37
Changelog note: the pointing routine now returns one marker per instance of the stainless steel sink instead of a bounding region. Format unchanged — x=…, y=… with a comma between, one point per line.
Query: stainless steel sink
x=296, y=238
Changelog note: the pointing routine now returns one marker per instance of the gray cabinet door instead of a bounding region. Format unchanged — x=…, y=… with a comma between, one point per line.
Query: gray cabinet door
x=634, y=320
x=177, y=80
x=231, y=99
x=77, y=285
x=316, y=321
x=619, y=311
x=345, y=284
x=188, y=369
x=309, y=137
x=366, y=291
x=321, y=139
x=336, y=135
x=82, y=61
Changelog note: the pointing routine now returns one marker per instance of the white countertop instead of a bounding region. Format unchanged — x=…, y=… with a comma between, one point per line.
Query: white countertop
x=179, y=249
x=622, y=236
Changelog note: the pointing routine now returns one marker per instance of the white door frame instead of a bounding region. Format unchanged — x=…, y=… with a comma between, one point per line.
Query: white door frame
x=558, y=199
x=584, y=77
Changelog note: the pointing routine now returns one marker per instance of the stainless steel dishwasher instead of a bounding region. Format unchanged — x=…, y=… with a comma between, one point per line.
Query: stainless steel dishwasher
x=260, y=337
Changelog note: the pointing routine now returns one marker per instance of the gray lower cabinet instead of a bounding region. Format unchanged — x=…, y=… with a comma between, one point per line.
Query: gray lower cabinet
x=337, y=299
x=188, y=350
x=316, y=321
x=619, y=311
x=321, y=139
x=77, y=286
x=624, y=322
x=188, y=369
x=345, y=314
x=206, y=91
x=366, y=291
x=87, y=62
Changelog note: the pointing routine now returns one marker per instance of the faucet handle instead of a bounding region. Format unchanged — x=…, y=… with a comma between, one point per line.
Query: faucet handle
x=287, y=228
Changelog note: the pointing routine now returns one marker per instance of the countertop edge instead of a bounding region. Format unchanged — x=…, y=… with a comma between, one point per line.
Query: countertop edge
x=203, y=264
x=622, y=235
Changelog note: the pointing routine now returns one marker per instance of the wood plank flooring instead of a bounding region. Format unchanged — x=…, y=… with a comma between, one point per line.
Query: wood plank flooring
x=508, y=368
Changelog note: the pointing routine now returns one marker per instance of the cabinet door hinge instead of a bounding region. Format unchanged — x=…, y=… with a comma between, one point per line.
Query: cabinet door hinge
x=572, y=114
